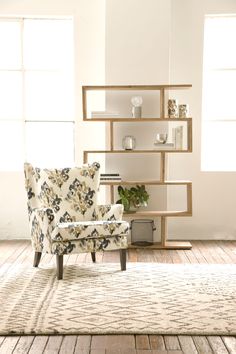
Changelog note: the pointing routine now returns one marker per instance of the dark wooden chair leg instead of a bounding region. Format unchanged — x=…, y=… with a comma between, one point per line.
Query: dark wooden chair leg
x=37, y=257
x=123, y=259
x=59, y=267
x=93, y=255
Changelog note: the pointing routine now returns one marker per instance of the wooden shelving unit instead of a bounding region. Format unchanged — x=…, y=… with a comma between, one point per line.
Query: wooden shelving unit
x=164, y=244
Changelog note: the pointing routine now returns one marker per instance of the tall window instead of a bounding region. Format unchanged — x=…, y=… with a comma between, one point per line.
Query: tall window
x=219, y=94
x=36, y=92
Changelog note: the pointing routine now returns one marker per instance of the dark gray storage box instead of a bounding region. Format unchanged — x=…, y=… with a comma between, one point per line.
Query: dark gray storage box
x=142, y=232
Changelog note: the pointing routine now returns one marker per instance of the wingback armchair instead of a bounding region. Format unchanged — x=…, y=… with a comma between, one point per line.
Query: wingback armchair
x=64, y=216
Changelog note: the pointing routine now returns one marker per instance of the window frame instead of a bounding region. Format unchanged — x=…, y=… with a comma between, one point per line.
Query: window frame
x=23, y=71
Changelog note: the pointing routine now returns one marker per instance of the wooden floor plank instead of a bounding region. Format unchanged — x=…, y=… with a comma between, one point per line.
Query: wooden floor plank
x=224, y=255
x=212, y=247
x=175, y=256
x=229, y=250
x=7, y=249
x=97, y=351
x=187, y=345
x=191, y=256
x=68, y=344
x=230, y=343
x=172, y=343
x=82, y=351
x=202, y=345
x=159, y=352
x=23, y=345
x=145, y=256
x=217, y=345
x=203, y=251
x=157, y=342
x=209, y=248
x=113, y=341
x=9, y=344
x=132, y=255
x=111, y=257
x=2, y=339
x=121, y=351
x=53, y=345
x=38, y=345
x=183, y=257
x=200, y=257
x=142, y=342
x=83, y=342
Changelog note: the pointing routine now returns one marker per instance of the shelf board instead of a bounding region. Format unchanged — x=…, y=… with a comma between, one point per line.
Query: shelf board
x=146, y=182
x=157, y=213
x=134, y=151
x=136, y=87
x=169, y=245
x=130, y=119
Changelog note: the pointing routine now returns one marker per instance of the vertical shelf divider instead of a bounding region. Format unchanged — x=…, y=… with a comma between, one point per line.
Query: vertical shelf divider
x=112, y=190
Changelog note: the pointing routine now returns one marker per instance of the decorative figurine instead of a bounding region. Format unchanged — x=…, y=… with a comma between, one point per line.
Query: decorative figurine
x=137, y=106
x=173, y=108
x=183, y=110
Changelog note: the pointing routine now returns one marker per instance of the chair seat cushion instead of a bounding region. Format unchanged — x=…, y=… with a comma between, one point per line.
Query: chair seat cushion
x=89, y=229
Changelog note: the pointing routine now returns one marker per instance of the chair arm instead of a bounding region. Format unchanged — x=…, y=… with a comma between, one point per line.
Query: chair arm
x=109, y=212
x=42, y=223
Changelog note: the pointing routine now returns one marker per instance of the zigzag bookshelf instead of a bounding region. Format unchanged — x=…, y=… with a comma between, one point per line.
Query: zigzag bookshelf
x=164, y=244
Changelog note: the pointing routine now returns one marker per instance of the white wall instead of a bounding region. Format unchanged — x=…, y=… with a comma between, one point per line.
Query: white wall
x=214, y=193
x=140, y=49
x=137, y=52
x=89, y=29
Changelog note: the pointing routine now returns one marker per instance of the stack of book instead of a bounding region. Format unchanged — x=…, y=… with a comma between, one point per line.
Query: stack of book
x=104, y=114
x=110, y=177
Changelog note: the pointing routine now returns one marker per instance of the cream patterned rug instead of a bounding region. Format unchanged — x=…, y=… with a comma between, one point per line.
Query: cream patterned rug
x=148, y=298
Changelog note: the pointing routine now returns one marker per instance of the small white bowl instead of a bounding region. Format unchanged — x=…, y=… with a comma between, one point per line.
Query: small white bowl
x=161, y=138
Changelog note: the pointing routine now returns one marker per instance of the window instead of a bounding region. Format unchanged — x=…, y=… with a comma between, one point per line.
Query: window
x=36, y=92
x=219, y=94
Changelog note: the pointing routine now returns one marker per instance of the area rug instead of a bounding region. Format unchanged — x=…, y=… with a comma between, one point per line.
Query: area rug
x=148, y=298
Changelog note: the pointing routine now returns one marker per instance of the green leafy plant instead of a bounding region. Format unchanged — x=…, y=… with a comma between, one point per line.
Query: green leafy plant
x=134, y=197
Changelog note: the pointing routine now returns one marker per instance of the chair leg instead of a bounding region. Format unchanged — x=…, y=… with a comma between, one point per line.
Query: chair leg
x=123, y=259
x=93, y=255
x=37, y=257
x=59, y=266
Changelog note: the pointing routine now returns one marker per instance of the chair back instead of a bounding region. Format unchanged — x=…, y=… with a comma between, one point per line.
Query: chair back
x=70, y=192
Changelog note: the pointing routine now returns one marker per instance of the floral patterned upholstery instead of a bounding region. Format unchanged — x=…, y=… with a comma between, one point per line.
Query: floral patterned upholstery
x=63, y=212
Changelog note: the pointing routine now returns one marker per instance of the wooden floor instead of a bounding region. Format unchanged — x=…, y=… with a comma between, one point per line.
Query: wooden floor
x=13, y=253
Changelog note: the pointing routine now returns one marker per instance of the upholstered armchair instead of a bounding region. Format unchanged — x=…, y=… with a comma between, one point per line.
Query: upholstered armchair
x=64, y=216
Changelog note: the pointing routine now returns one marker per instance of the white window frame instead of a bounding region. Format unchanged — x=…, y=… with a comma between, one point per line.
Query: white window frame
x=23, y=72
x=215, y=122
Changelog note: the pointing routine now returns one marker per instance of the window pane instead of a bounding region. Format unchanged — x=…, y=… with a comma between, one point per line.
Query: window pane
x=48, y=96
x=11, y=146
x=11, y=95
x=219, y=42
x=219, y=109
x=219, y=95
x=10, y=44
x=50, y=144
x=219, y=146
x=48, y=44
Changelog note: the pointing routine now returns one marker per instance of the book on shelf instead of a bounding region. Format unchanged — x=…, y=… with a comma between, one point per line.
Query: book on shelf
x=104, y=114
x=110, y=177
x=109, y=174
x=177, y=137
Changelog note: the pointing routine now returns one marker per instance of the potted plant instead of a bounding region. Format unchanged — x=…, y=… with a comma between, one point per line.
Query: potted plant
x=132, y=198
